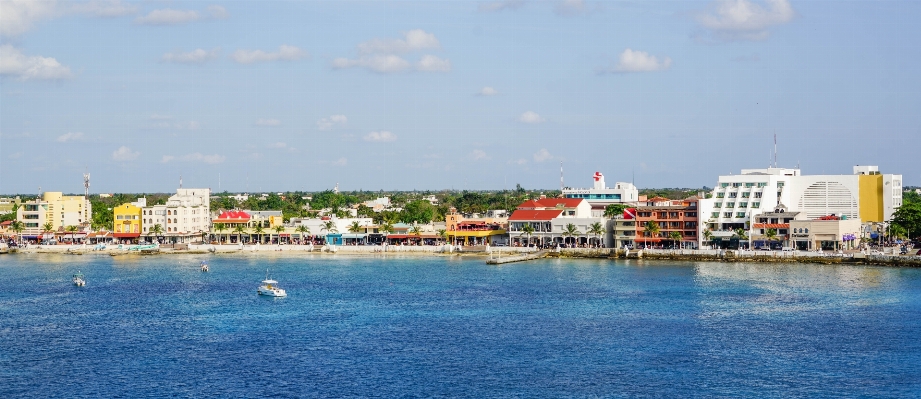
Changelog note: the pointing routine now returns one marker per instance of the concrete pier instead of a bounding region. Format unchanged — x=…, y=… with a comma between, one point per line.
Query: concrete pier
x=515, y=258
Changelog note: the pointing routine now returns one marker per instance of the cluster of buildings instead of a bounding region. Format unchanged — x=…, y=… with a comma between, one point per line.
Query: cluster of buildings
x=772, y=207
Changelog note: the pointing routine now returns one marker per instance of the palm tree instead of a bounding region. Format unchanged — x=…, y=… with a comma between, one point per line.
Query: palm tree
x=527, y=230
x=72, y=230
x=771, y=235
x=329, y=226
x=354, y=227
x=708, y=235
x=416, y=231
x=651, y=229
x=220, y=227
x=278, y=230
x=443, y=234
x=239, y=230
x=596, y=229
x=740, y=232
x=571, y=231
x=258, y=230
x=157, y=229
x=676, y=237
x=304, y=230
x=47, y=227
x=386, y=228
x=18, y=227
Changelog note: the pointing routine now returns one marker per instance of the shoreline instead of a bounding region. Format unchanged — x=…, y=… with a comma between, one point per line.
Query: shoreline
x=489, y=253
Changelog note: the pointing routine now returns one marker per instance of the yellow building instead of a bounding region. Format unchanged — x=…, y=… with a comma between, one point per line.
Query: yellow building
x=127, y=221
x=475, y=231
x=871, y=198
x=56, y=209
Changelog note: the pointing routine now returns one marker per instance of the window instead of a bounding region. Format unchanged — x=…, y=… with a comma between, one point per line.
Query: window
x=743, y=205
x=730, y=204
x=690, y=214
x=714, y=215
x=740, y=214
x=757, y=195
x=780, y=184
x=718, y=205
x=732, y=195
x=727, y=214
x=737, y=184
x=746, y=195
x=761, y=185
x=749, y=184
x=720, y=195
x=756, y=205
x=724, y=185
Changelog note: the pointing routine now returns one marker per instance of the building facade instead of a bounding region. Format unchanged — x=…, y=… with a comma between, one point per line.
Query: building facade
x=673, y=217
x=57, y=209
x=549, y=219
x=128, y=220
x=600, y=195
x=185, y=216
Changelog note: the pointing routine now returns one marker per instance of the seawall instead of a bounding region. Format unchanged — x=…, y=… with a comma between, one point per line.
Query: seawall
x=741, y=256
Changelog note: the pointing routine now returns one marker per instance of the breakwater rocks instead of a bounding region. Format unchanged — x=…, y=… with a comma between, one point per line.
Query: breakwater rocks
x=740, y=256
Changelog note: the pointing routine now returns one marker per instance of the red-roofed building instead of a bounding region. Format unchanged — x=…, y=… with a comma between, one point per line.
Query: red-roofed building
x=232, y=218
x=550, y=218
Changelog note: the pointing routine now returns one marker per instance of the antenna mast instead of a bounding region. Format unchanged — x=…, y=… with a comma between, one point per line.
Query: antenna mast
x=561, y=177
x=86, y=185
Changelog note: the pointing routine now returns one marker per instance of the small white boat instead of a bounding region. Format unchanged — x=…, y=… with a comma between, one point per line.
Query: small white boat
x=79, y=280
x=269, y=287
x=204, y=266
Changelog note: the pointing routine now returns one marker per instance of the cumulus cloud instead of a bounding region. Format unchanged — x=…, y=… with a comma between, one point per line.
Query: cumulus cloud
x=530, y=117
x=197, y=56
x=385, y=55
x=745, y=19
x=70, y=136
x=640, y=61
x=124, y=153
x=34, y=67
x=168, y=16
x=477, y=155
x=382, y=136
x=542, y=155
x=340, y=162
x=493, y=6
x=431, y=63
x=284, y=53
x=195, y=157
x=413, y=40
x=278, y=145
x=378, y=63
x=488, y=91
x=331, y=122
x=218, y=12
x=18, y=16
x=104, y=9
x=268, y=122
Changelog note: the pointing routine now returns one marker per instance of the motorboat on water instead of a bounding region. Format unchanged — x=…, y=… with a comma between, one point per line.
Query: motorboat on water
x=79, y=280
x=204, y=267
x=270, y=288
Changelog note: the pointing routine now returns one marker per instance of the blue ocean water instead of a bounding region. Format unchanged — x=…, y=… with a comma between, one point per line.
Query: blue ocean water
x=455, y=327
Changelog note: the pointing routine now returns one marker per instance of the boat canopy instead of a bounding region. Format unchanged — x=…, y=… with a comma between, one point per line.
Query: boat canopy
x=269, y=282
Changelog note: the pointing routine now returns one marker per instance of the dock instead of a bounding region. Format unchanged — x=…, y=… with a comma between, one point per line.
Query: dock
x=516, y=258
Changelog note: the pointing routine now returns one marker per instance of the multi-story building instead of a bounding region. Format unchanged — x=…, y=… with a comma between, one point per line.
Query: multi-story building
x=186, y=215
x=549, y=217
x=474, y=229
x=57, y=209
x=600, y=196
x=865, y=195
x=128, y=220
x=621, y=230
x=671, y=217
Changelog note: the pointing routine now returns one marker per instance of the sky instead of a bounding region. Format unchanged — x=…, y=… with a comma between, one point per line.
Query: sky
x=249, y=96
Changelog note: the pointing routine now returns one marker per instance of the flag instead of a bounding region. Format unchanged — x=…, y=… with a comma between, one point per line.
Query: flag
x=630, y=213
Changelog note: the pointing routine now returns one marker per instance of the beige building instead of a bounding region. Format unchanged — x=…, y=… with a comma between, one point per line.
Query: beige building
x=56, y=208
x=828, y=233
x=184, y=217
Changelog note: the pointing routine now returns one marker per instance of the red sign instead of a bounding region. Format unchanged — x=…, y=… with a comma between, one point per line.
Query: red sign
x=630, y=213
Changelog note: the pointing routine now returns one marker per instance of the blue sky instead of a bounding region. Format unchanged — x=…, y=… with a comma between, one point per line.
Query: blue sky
x=272, y=96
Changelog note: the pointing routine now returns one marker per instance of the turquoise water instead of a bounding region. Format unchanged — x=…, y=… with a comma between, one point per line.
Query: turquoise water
x=423, y=327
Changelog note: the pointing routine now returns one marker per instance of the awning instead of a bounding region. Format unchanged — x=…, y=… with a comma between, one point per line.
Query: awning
x=126, y=235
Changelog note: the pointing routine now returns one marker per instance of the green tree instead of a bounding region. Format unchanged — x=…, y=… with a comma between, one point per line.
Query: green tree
x=278, y=231
x=18, y=227
x=571, y=231
x=354, y=227
x=48, y=226
x=614, y=210
x=418, y=211
x=329, y=226
x=771, y=235
x=73, y=231
x=239, y=229
x=676, y=237
x=304, y=230
x=651, y=229
x=157, y=230
x=258, y=231
x=386, y=228
x=443, y=234
x=596, y=229
x=708, y=235
x=908, y=217
x=220, y=227
x=527, y=230
x=741, y=234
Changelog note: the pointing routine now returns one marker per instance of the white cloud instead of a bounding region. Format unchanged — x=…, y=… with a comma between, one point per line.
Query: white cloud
x=494, y=6
x=640, y=61
x=542, y=155
x=17, y=16
x=570, y=7
x=477, y=155
x=197, y=56
x=744, y=19
x=158, y=117
x=332, y=121
x=431, y=63
x=414, y=40
x=378, y=63
x=14, y=63
x=168, y=16
x=218, y=12
x=15, y=155
x=124, y=153
x=278, y=145
x=268, y=122
x=530, y=117
x=284, y=53
x=521, y=161
x=488, y=91
x=191, y=125
x=340, y=162
x=70, y=136
x=382, y=136
x=195, y=157
x=105, y=9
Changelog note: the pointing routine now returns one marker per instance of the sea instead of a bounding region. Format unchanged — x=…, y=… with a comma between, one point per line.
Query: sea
x=376, y=326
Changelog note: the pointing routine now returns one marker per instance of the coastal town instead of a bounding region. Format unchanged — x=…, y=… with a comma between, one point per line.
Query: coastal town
x=770, y=209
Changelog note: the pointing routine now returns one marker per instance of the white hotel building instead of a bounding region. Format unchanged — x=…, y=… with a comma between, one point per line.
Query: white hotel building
x=865, y=195
x=600, y=196
x=186, y=215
